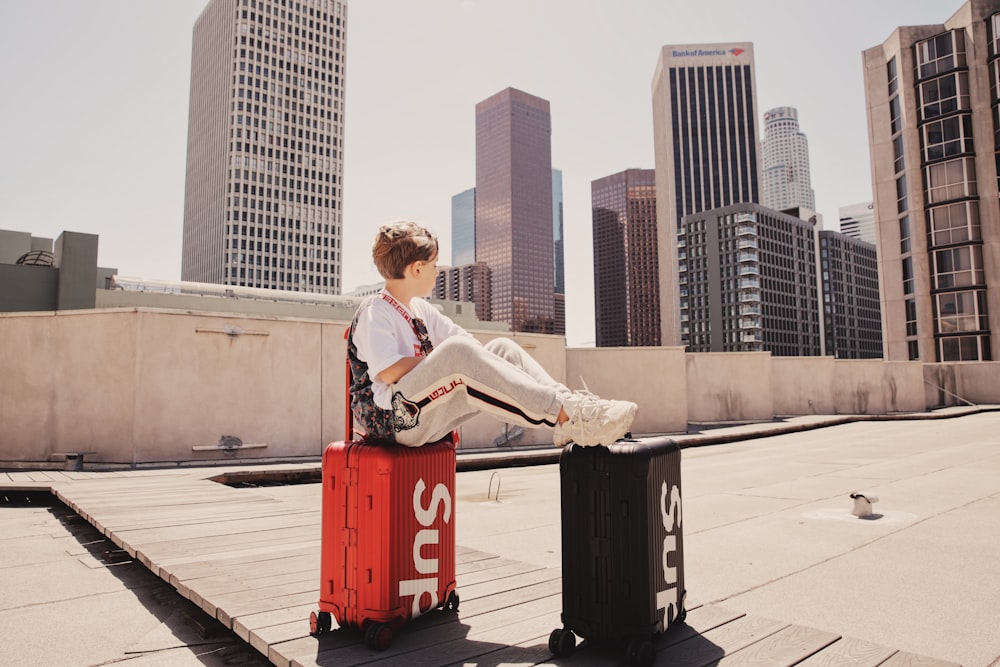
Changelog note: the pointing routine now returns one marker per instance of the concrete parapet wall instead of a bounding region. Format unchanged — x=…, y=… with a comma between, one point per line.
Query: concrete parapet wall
x=730, y=386
x=949, y=384
x=141, y=386
x=656, y=378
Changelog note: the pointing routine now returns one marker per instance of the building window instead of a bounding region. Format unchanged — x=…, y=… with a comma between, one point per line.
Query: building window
x=948, y=137
x=958, y=267
x=944, y=95
x=994, y=28
x=961, y=312
x=891, y=74
x=911, y=318
x=951, y=180
x=954, y=223
x=907, y=267
x=939, y=54
x=901, y=202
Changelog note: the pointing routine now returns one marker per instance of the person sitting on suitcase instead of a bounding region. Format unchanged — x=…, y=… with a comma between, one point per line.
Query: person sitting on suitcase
x=416, y=375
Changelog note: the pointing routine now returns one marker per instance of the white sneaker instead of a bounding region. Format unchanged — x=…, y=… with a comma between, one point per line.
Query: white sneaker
x=594, y=421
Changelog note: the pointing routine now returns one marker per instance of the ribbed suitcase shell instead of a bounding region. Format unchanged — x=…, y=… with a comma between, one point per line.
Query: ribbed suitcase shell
x=622, y=546
x=388, y=535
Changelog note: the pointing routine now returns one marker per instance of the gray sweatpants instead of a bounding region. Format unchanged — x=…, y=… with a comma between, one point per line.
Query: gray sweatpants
x=461, y=378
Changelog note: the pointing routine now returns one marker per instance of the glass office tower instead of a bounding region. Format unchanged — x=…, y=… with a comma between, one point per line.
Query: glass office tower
x=514, y=214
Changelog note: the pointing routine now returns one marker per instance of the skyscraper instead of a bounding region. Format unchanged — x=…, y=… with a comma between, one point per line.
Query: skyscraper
x=463, y=228
x=934, y=135
x=706, y=147
x=785, y=160
x=514, y=215
x=858, y=221
x=262, y=200
x=558, y=251
x=626, y=280
x=751, y=282
x=852, y=319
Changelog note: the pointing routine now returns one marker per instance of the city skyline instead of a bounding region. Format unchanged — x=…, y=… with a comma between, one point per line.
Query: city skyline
x=410, y=101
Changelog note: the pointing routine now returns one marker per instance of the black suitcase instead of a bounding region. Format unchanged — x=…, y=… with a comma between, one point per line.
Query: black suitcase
x=622, y=547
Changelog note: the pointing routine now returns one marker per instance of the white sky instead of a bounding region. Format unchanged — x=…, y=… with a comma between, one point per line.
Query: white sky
x=95, y=92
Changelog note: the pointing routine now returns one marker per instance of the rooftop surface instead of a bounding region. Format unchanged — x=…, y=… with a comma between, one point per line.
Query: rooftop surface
x=163, y=567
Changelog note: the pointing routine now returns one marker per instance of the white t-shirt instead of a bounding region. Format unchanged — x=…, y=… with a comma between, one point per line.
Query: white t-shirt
x=383, y=337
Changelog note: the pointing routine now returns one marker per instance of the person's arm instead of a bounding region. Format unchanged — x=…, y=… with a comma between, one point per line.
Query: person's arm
x=392, y=374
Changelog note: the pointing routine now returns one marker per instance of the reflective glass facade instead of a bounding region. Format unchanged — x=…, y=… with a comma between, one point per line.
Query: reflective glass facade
x=463, y=228
x=626, y=285
x=514, y=210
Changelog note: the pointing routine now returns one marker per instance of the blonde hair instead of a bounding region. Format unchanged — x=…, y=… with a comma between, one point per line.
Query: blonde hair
x=399, y=244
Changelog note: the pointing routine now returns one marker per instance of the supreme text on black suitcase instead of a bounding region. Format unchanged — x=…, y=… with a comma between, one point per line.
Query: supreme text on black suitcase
x=622, y=545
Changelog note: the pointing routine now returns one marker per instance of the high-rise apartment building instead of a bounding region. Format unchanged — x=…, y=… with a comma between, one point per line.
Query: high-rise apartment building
x=463, y=228
x=858, y=221
x=934, y=133
x=751, y=282
x=469, y=282
x=706, y=147
x=851, y=314
x=262, y=200
x=514, y=214
x=626, y=276
x=785, y=162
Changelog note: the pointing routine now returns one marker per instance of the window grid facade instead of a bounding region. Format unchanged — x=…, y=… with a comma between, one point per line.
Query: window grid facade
x=265, y=139
x=941, y=298
x=707, y=148
x=626, y=269
x=751, y=282
x=852, y=316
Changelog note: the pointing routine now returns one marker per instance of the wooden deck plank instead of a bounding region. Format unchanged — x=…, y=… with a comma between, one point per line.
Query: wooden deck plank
x=201, y=543
x=511, y=569
x=712, y=646
x=245, y=626
x=163, y=567
x=849, y=652
x=223, y=585
x=508, y=598
x=233, y=604
x=785, y=647
x=253, y=605
x=509, y=583
x=417, y=643
x=903, y=659
x=182, y=574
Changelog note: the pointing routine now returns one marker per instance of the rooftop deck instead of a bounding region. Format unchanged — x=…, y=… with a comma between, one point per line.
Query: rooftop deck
x=778, y=572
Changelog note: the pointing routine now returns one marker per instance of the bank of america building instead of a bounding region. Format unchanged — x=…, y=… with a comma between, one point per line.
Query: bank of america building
x=262, y=203
x=707, y=152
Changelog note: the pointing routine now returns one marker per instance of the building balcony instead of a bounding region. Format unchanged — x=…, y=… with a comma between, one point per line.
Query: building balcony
x=749, y=283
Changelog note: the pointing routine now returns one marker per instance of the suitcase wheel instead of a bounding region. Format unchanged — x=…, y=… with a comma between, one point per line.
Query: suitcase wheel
x=319, y=623
x=452, y=603
x=378, y=636
x=640, y=652
x=562, y=642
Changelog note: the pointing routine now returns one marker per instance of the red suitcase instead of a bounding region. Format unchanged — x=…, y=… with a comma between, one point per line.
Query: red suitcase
x=388, y=536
